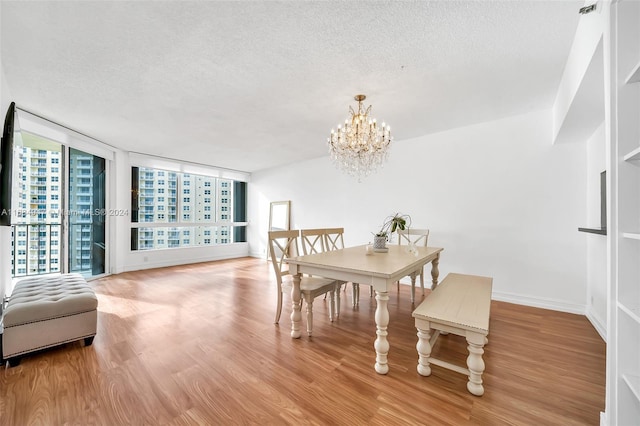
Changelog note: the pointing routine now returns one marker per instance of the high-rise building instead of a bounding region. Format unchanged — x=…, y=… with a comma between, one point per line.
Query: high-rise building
x=36, y=214
x=39, y=209
x=182, y=199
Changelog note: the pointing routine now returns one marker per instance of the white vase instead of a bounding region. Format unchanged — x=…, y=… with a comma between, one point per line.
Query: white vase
x=379, y=243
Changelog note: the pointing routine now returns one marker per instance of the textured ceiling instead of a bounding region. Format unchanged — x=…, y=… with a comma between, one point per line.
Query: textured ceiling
x=252, y=85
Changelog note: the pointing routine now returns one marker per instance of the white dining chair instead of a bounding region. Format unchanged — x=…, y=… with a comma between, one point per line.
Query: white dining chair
x=283, y=245
x=417, y=237
x=334, y=240
x=314, y=241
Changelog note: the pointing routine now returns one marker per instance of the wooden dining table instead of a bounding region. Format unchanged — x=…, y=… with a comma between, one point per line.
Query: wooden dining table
x=380, y=270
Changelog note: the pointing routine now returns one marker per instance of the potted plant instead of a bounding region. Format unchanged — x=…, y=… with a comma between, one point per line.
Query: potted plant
x=390, y=225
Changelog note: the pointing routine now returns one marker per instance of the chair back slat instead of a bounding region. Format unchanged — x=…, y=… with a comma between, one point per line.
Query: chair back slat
x=282, y=245
x=334, y=238
x=312, y=241
x=405, y=236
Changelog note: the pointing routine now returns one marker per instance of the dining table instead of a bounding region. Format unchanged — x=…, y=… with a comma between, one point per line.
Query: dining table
x=359, y=264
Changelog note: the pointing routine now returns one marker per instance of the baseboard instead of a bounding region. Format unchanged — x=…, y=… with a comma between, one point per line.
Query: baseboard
x=598, y=324
x=603, y=419
x=166, y=263
x=540, y=302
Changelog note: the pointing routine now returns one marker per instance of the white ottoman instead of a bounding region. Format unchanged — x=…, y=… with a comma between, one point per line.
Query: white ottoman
x=46, y=311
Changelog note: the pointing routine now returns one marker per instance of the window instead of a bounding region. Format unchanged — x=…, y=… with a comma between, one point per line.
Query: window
x=182, y=211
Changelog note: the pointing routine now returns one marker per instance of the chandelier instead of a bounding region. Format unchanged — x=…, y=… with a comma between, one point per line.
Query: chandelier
x=361, y=146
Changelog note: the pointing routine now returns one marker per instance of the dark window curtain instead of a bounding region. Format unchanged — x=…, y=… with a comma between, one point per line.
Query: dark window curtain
x=135, y=189
x=240, y=211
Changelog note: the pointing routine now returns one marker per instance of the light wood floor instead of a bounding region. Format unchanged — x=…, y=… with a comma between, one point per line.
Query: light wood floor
x=196, y=344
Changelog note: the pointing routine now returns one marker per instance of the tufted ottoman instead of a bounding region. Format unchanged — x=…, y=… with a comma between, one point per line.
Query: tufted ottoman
x=46, y=311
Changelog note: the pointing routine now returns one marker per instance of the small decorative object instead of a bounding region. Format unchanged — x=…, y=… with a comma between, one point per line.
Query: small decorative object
x=369, y=249
x=389, y=226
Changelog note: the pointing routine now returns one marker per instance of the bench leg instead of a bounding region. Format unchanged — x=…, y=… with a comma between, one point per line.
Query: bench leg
x=424, y=352
x=15, y=361
x=475, y=364
x=88, y=340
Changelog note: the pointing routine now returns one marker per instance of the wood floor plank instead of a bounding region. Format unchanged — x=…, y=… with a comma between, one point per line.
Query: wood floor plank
x=196, y=344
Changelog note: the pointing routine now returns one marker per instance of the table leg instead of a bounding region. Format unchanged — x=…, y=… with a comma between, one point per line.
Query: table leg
x=382, y=321
x=435, y=272
x=296, y=302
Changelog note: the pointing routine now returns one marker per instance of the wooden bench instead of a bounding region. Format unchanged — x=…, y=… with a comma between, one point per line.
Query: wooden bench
x=459, y=305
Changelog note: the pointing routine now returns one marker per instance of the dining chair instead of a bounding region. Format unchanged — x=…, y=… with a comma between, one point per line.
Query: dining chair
x=283, y=245
x=334, y=240
x=417, y=237
x=314, y=241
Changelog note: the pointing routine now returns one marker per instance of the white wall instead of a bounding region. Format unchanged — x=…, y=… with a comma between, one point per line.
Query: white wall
x=500, y=198
x=596, y=245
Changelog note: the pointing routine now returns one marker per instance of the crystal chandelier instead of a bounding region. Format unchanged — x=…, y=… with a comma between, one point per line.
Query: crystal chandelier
x=361, y=146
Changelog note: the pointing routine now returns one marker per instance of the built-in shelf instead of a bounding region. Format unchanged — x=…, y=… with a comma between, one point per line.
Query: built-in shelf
x=634, y=312
x=633, y=155
x=634, y=384
x=634, y=77
x=599, y=231
x=632, y=235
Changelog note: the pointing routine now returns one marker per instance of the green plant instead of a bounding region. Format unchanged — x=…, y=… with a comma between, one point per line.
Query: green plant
x=393, y=223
